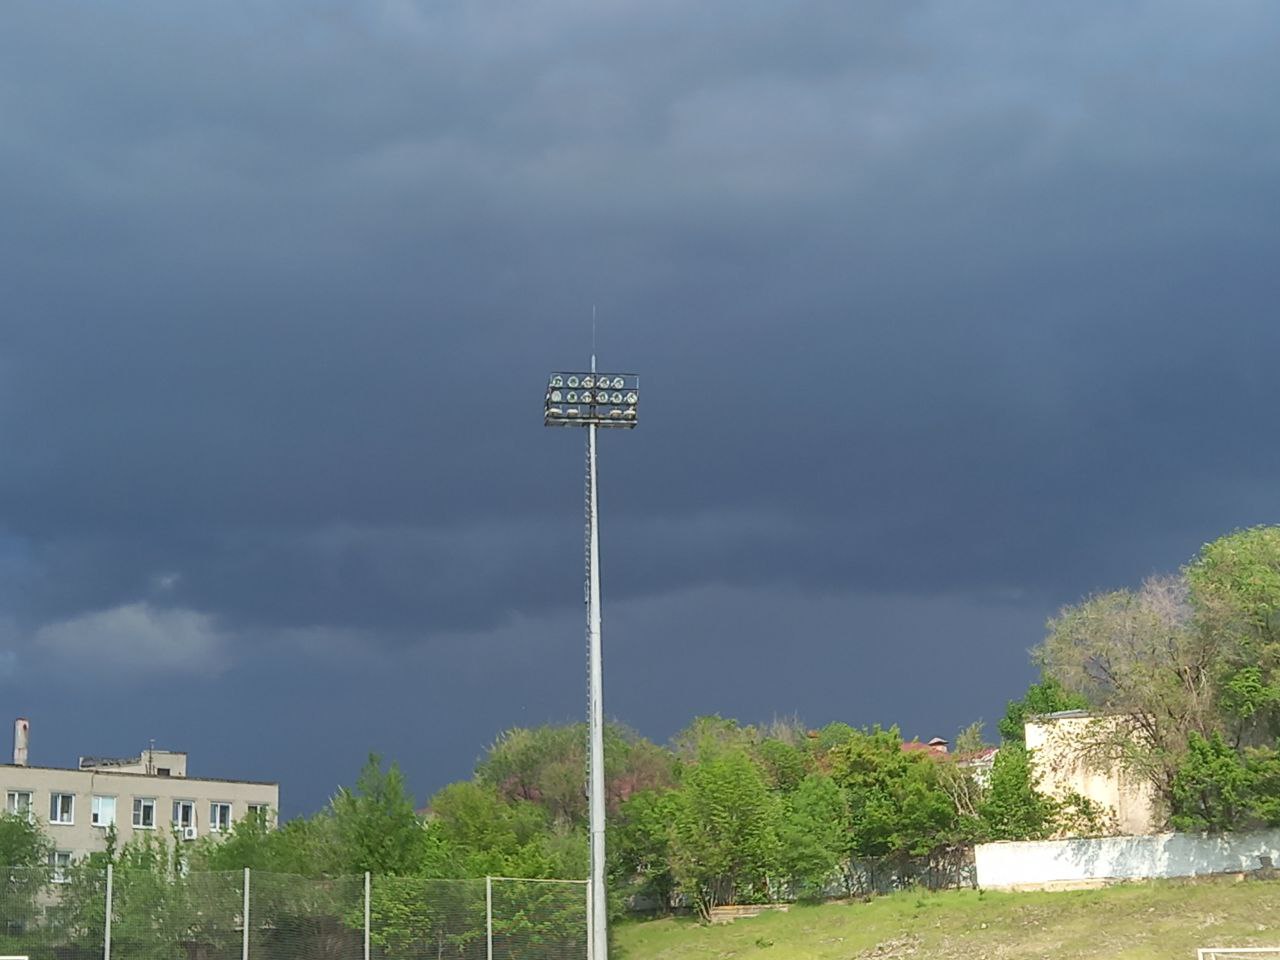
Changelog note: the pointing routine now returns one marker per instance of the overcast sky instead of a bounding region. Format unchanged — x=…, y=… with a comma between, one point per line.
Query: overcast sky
x=946, y=315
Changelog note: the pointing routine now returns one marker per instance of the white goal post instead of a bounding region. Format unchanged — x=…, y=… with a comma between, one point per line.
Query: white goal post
x=1221, y=953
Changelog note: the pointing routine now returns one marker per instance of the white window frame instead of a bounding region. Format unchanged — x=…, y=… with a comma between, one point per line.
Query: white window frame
x=262, y=810
x=95, y=812
x=55, y=809
x=190, y=805
x=140, y=804
x=11, y=803
x=58, y=870
x=216, y=823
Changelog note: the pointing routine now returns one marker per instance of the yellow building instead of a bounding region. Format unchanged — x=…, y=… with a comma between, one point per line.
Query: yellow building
x=143, y=794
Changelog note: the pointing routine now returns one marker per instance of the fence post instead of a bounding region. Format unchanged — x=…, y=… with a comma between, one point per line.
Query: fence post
x=367, y=891
x=591, y=902
x=244, y=950
x=106, y=930
x=488, y=917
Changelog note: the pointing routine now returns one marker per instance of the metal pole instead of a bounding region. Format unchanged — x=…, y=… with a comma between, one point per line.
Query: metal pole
x=599, y=912
x=244, y=950
x=488, y=917
x=590, y=895
x=106, y=930
x=368, y=900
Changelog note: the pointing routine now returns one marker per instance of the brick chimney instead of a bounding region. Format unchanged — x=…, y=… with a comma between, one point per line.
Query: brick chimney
x=21, y=737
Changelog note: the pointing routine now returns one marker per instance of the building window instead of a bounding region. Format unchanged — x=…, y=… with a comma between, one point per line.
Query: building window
x=62, y=808
x=260, y=812
x=19, y=803
x=184, y=814
x=104, y=811
x=144, y=813
x=59, y=864
x=162, y=771
x=219, y=816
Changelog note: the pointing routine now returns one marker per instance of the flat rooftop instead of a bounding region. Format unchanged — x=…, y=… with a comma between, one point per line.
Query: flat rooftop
x=107, y=771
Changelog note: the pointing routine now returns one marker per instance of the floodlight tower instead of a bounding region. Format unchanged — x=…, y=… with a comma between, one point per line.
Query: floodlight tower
x=594, y=400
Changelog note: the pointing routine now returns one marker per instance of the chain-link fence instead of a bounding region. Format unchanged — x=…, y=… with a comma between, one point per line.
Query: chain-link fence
x=144, y=914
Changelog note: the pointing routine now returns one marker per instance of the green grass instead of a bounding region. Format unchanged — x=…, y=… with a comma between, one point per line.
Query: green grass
x=1167, y=919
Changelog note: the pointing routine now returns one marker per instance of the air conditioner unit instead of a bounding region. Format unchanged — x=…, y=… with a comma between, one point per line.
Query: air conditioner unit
x=189, y=833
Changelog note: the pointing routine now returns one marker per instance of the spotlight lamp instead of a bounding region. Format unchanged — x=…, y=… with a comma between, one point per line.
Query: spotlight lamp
x=606, y=400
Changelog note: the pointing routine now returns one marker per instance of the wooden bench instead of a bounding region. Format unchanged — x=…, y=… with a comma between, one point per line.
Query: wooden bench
x=728, y=914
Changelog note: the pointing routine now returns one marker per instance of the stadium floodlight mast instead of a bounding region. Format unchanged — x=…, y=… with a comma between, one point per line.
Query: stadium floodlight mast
x=594, y=400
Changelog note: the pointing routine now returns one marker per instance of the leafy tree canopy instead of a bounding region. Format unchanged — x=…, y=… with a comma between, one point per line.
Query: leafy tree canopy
x=896, y=802
x=1235, y=586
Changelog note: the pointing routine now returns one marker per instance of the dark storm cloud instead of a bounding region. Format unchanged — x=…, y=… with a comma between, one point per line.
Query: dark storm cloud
x=945, y=316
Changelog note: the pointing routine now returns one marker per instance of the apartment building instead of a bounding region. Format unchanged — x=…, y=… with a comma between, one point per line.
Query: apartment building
x=137, y=795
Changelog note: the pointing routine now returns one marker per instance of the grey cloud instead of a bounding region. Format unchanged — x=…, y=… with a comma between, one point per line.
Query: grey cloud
x=136, y=640
x=929, y=301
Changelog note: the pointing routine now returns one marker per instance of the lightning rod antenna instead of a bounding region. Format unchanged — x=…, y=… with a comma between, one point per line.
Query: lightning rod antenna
x=593, y=338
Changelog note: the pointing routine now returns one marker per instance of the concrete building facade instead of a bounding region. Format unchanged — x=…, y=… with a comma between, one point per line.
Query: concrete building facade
x=139, y=795
x=1058, y=744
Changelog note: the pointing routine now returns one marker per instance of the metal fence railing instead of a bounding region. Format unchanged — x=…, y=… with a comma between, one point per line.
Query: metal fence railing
x=144, y=914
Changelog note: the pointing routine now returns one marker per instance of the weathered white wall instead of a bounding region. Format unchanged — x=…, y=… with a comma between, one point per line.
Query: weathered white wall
x=1029, y=864
x=1059, y=745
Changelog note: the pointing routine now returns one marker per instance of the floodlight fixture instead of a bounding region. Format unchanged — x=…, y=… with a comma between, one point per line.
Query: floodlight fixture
x=595, y=403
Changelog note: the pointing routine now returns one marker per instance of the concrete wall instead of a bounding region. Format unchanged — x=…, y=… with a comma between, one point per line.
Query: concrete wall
x=1058, y=744
x=1063, y=863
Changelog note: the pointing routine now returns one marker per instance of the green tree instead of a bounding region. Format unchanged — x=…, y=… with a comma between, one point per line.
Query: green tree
x=547, y=766
x=1014, y=808
x=1235, y=587
x=303, y=846
x=1264, y=764
x=897, y=805
x=711, y=734
x=25, y=848
x=640, y=846
x=725, y=839
x=22, y=843
x=412, y=918
x=473, y=832
x=376, y=825
x=969, y=740
x=1045, y=696
x=832, y=736
x=785, y=765
x=1183, y=676
x=544, y=765
x=155, y=913
x=1219, y=788
x=1213, y=787
x=1149, y=671
x=813, y=834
